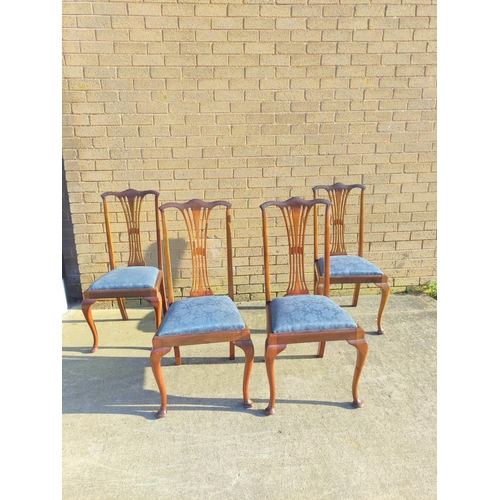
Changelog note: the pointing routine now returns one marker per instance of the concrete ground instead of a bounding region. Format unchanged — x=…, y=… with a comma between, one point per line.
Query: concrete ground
x=210, y=447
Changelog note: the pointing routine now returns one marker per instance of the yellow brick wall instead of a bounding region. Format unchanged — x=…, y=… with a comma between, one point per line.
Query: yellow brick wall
x=249, y=101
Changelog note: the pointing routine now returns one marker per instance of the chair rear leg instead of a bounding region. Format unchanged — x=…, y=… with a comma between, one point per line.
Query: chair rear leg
x=355, y=295
x=362, y=348
x=163, y=297
x=155, y=357
x=177, y=352
x=248, y=349
x=86, y=309
x=321, y=349
x=386, y=290
x=121, y=306
x=319, y=286
x=271, y=352
x=231, y=350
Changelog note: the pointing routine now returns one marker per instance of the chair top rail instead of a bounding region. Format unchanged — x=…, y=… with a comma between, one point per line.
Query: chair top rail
x=339, y=186
x=130, y=193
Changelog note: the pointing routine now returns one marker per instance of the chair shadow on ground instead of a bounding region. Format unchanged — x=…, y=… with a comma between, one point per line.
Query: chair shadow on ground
x=144, y=324
x=115, y=386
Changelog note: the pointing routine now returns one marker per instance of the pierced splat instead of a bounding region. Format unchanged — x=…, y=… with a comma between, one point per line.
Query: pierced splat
x=338, y=194
x=295, y=216
x=295, y=213
x=196, y=219
x=131, y=202
x=196, y=214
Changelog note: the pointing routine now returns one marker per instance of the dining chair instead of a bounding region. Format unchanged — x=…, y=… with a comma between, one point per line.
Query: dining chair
x=133, y=278
x=344, y=268
x=204, y=317
x=299, y=316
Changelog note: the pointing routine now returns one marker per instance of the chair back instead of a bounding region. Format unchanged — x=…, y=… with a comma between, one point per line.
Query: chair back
x=196, y=214
x=295, y=214
x=131, y=202
x=338, y=194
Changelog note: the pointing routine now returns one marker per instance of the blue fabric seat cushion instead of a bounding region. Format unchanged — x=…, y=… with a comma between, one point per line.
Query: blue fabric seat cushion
x=349, y=265
x=127, y=278
x=213, y=313
x=304, y=313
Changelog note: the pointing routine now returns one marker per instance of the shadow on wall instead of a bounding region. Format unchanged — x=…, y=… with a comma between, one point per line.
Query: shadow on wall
x=178, y=253
x=180, y=257
x=70, y=270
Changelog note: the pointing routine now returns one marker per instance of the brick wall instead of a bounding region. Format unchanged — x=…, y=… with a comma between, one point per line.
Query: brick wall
x=255, y=100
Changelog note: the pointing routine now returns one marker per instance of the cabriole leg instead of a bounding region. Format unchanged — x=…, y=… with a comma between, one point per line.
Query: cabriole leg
x=86, y=309
x=362, y=348
x=386, y=290
x=156, y=303
x=271, y=352
x=155, y=357
x=248, y=349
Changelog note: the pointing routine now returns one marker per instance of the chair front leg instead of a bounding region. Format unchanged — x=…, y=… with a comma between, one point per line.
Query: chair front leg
x=271, y=352
x=155, y=357
x=86, y=309
x=362, y=348
x=156, y=302
x=248, y=349
x=386, y=290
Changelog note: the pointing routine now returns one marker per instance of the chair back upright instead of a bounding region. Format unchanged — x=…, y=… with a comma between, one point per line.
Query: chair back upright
x=196, y=214
x=295, y=214
x=131, y=202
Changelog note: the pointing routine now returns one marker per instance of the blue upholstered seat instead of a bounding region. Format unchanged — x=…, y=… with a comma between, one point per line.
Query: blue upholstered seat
x=349, y=265
x=124, y=278
x=305, y=313
x=212, y=313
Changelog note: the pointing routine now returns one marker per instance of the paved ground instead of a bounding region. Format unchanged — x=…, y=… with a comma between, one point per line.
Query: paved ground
x=210, y=447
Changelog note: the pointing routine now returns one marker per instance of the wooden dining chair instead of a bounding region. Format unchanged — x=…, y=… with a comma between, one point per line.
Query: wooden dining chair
x=133, y=279
x=299, y=316
x=203, y=317
x=344, y=268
